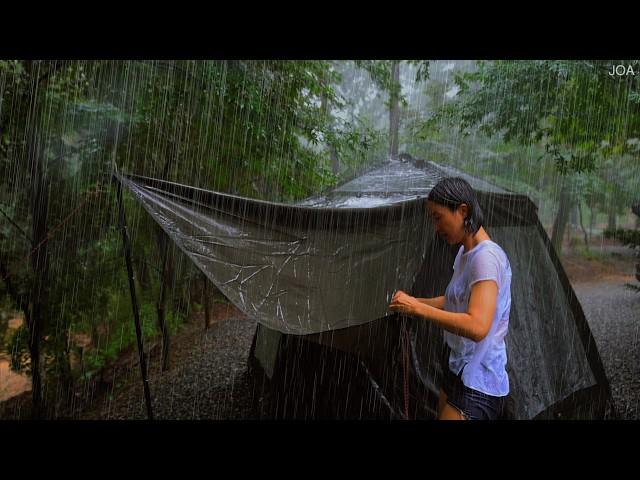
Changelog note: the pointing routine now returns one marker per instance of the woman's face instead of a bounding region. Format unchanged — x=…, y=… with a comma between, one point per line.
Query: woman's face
x=449, y=225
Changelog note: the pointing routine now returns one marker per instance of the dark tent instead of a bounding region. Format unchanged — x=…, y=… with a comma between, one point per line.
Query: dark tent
x=635, y=208
x=318, y=277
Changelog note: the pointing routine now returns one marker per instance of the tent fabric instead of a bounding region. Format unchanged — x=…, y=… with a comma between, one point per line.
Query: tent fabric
x=297, y=270
x=318, y=277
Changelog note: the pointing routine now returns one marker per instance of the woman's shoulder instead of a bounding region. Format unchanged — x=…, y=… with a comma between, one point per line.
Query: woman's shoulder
x=492, y=250
x=502, y=257
x=496, y=247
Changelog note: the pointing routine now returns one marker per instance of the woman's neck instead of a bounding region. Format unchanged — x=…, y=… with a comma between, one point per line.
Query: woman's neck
x=470, y=241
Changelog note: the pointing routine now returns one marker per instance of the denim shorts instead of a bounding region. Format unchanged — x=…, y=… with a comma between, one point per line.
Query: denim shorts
x=473, y=405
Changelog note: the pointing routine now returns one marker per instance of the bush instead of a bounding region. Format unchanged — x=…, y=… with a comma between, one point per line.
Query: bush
x=124, y=335
x=633, y=287
x=575, y=242
x=590, y=254
x=627, y=237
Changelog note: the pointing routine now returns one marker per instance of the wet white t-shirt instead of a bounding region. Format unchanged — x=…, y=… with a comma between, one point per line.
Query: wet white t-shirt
x=484, y=362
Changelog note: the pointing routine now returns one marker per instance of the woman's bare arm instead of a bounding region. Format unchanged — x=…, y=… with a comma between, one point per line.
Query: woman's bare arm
x=437, y=302
x=473, y=324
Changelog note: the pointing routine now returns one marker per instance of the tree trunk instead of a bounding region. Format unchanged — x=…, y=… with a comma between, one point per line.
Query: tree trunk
x=573, y=217
x=333, y=151
x=394, y=110
x=611, y=221
x=37, y=307
x=592, y=220
x=560, y=222
x=584, y=231
x=192, y=294
x=39, y=255
x=335, y=160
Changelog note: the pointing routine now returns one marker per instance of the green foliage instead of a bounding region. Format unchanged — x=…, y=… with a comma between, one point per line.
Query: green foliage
x=18, y=348
x=380, y=72
x=564, y=122
x=422, y=69
x=358, y=145
x=573, y=108
x=122, y=335
x=625, y=236
x=591, y=254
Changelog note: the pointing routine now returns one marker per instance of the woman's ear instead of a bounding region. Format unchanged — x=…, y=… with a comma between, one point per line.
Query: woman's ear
x=464, y=210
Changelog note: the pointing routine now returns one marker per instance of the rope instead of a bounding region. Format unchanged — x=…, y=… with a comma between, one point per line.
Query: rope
x=405, y=366
x=51, y=232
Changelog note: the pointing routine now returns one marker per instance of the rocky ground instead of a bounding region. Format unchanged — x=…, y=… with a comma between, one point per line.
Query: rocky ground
x=208, y=379
x=613, y=313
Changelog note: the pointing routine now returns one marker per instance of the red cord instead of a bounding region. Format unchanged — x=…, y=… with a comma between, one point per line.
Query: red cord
x=405, y=365
x=51, y=232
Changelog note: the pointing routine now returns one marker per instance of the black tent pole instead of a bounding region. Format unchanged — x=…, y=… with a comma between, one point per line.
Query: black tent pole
x=134, y=301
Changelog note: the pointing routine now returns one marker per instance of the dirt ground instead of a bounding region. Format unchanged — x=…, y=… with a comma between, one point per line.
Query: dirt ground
x=607, y=260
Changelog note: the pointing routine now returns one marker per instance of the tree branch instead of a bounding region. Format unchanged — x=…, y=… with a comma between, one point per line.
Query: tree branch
x=51, y=71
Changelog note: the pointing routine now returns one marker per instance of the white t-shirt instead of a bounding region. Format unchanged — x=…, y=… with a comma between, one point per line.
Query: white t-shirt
x=484, y=362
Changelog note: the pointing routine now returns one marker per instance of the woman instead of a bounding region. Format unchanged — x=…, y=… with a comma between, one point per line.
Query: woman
x=474, y=311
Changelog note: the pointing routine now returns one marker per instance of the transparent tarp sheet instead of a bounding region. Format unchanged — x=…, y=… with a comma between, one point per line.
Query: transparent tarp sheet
x=295, y=269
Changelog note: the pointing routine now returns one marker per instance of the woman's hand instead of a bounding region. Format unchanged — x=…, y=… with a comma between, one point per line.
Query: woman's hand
x=403, y=303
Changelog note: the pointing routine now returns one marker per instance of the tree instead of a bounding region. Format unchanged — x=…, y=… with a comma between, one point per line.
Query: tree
x=574, y=109
x=394, y=110
x=386, y=75
x=234, y=126
x=33, y=87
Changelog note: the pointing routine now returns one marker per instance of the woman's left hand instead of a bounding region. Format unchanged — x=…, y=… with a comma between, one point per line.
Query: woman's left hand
x=403, y=303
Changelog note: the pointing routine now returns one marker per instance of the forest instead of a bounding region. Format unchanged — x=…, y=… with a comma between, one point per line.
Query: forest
x=564, y=133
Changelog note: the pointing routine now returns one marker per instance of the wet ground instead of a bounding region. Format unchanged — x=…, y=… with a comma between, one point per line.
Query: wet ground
x=612, y=310
x=11, y=383
x=208, y=379
x=613, y=313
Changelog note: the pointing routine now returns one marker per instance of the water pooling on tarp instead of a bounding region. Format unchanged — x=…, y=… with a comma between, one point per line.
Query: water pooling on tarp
x=394, y=182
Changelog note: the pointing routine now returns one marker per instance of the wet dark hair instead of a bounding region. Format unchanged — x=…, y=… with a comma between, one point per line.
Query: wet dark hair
x=451, y=192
